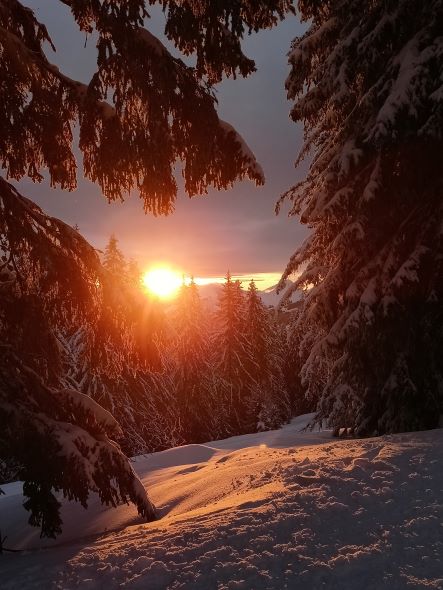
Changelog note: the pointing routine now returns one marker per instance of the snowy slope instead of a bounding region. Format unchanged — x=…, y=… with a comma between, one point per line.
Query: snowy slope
x=270, y=296
x=282, y=509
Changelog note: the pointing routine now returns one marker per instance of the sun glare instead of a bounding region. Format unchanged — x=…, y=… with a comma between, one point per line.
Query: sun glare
x=162, y=281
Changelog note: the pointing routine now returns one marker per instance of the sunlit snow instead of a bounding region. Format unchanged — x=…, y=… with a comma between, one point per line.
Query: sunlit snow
x=279, y=509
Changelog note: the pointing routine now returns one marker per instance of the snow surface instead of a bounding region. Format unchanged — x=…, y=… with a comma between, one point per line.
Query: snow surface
x=102, y=416
x=279, y=509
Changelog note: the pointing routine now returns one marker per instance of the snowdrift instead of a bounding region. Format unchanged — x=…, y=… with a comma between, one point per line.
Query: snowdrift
x=281, y=509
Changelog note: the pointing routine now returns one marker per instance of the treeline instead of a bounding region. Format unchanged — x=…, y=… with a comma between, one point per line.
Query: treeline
x=180, y=372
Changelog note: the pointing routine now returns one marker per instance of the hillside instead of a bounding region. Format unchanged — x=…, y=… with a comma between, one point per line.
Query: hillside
x=281, y=509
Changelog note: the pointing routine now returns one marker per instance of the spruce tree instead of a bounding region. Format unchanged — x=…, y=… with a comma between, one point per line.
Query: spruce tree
x=258, y=328
x=269, y=395
x=192, y=355
x=60, y=439
x=366, y=81
x=113, y=259
x=233, y=352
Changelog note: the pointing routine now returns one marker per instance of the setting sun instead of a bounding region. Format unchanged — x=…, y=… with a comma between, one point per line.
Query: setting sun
x=162, y=281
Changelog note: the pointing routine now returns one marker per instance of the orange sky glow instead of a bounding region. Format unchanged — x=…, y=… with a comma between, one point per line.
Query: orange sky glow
x=263, y=280
x=164, y=280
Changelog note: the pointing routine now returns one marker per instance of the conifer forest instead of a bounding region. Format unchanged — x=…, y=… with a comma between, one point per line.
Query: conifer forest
x=218, y=370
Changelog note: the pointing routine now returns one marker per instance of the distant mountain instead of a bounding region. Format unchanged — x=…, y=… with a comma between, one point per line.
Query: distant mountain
x=270, y=296
x=209, y=293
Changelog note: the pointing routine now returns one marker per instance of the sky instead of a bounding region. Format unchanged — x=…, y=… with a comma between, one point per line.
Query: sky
x=234, y=230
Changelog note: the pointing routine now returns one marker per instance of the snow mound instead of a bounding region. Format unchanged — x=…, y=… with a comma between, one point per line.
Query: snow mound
x=280, y=509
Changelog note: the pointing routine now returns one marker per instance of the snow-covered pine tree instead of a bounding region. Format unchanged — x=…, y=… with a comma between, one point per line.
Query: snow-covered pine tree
x=117, y=362
x=233, y=354
x=299, y=342
x=161, y=111
x=113, y=259
x=269, y=395
x=366, y=79
x=118, y=296
x=192, y=355
x=59, y=438
x=143, y=401
x=258, y=328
